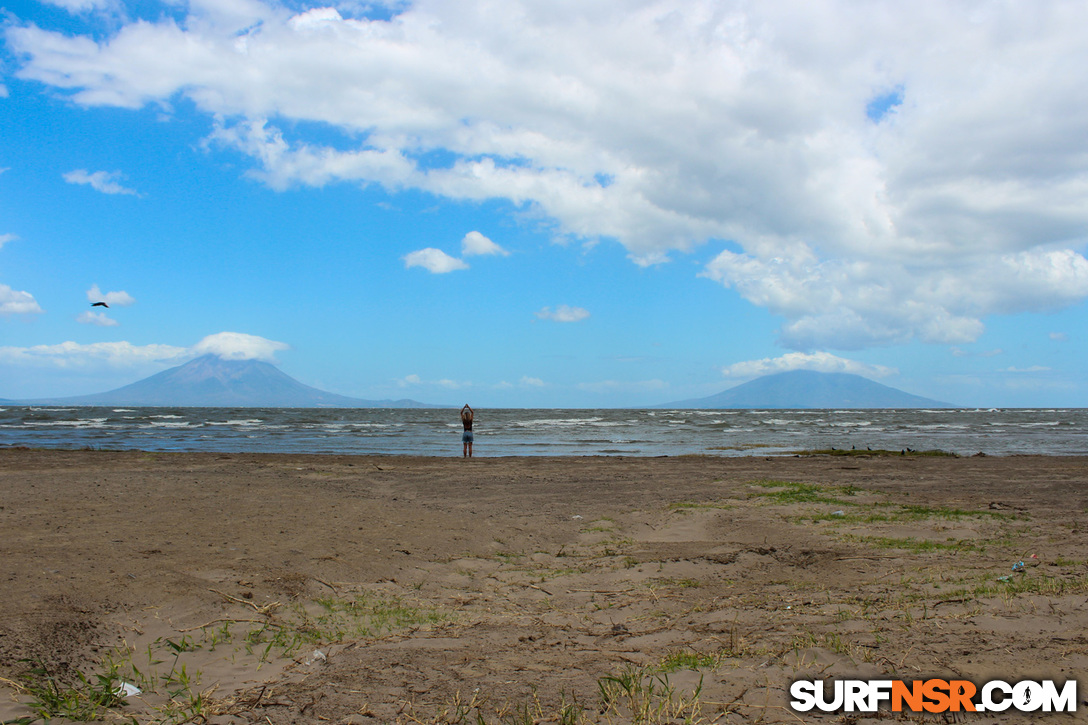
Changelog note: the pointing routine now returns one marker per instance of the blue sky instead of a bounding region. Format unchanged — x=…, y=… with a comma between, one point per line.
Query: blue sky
x=542, y=203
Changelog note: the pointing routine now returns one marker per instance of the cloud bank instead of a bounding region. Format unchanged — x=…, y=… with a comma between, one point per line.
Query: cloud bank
x=76, y=355
x=873, y=174
x=239, y=346
x=821, y=362
x=123, y=354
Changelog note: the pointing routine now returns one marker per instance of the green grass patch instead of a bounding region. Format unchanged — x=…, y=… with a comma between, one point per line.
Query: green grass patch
x=638, y=695
x=791, y=492
x=165, y=672
x=886, y=512
x=633, y=695
x=911, y=512
x=73, y=694
x=362, y=616
x=684, y=660
x=1044, y=585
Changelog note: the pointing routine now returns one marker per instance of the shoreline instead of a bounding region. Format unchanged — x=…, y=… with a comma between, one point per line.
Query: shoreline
x=425, y=579
x=551, y=432
x=734, y=453
x=837, y=455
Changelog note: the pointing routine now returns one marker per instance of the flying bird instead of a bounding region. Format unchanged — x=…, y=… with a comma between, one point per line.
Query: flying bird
x=100, y=304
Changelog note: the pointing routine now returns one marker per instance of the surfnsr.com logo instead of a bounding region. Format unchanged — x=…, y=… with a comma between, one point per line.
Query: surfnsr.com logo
x=933, y=695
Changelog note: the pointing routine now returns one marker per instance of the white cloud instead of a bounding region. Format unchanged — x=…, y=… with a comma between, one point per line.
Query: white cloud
x=438, y=262
x=563, y=313
x=103, y=181
x=449, y=384
x=97, y=318
x=76, y=355
x=410, y=380
x=1030, y=369
x=113, y=299
x=823, y=362
x=3, y=94
x=239, y=346
x=15, y=302
x=666, y=123
x=452, y=384
x=5, y=238
x=83, y=6
x=123, y=354
x=1059, y=336
x=433, y=260
x=852, y=304
x=475, y=243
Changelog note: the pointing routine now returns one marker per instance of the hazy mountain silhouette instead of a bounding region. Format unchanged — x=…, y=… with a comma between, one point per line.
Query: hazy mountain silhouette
x=210, y=381
x=810, y=389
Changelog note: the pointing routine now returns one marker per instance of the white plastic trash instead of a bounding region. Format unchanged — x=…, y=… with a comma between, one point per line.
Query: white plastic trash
x=126, y=689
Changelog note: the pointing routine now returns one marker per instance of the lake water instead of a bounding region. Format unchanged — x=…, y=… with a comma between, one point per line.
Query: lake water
x=521, y=432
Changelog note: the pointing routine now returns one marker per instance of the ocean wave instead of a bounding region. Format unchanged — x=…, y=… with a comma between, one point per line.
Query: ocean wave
x=82, y=423
x=541, y=431
x=556, y=422
x=1039, y=424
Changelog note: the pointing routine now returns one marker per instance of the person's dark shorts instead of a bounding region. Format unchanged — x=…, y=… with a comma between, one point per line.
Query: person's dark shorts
x=466, y=437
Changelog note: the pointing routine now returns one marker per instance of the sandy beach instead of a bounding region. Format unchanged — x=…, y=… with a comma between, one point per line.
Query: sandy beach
x=311, y=589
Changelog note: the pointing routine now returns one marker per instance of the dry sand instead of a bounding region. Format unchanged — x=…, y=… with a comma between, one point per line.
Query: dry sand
x=445, y=590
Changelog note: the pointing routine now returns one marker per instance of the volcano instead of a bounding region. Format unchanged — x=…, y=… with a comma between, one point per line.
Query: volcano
x=210, y=381
x=808, y=389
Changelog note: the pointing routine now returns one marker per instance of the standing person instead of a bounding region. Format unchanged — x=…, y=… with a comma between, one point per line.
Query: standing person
x=466, y=437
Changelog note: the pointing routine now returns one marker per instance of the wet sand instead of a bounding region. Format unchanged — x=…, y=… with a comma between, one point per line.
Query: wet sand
x=313, y=589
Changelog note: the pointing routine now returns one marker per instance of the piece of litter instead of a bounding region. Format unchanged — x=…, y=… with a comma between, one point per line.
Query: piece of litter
x=576, y=516
x=1004, y=578
x=317, y=656
x=1018, y=566
x=838, y=513
x=126, y=689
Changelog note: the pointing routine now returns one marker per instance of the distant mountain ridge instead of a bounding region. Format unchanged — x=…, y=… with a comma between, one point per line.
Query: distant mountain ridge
x=212, y=382
x=802, y=389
